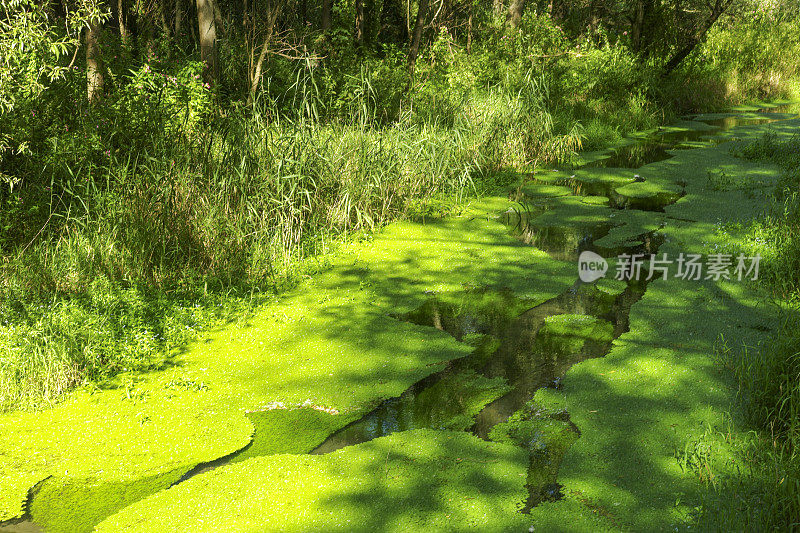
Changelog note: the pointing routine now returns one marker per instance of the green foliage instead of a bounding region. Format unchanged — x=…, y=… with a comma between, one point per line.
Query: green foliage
x=766, y=494
x=32, y=49
x=170, y=186
x=181, y=100
x=776, y=237
x=762, y=492
x=193, y=409
x=27, y=70
x=770, y=384
x=770, y=147
x=295, y=430
x=753, y=55
x=76, y=507
x=131, y=227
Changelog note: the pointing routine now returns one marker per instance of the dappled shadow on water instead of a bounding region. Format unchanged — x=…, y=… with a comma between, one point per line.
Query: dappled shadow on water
x=528, y=361
x=527, y=368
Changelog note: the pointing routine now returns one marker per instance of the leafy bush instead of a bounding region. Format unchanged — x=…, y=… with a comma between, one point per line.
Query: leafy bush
x=180, y=101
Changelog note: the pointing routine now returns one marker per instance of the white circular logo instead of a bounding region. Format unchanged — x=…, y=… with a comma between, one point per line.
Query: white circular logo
x=591, y=266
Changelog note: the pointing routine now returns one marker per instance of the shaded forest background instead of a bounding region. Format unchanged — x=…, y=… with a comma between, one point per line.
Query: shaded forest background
x=165, y=164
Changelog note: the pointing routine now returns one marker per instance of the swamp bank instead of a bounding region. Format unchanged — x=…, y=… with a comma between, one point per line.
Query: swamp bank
x=448, y=373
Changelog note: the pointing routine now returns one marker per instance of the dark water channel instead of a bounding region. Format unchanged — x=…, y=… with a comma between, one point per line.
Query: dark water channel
x=657, y=146
x=527, y=358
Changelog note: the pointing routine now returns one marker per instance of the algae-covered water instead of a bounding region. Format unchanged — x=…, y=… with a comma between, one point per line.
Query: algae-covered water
x=453, y=374
x=529, y=352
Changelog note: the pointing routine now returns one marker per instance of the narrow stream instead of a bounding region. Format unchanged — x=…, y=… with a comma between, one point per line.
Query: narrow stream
x=527, y=357
x=656, y=147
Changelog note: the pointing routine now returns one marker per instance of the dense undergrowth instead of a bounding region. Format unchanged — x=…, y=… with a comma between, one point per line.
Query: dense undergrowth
x=129, y=226
x=765, y=495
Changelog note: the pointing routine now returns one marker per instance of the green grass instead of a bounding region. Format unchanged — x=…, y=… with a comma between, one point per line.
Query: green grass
x=767, y=496
x=655, y=450
x=51, y=347
x=173, y=201
x=330, y=343
x=245, y=207
x=142, y=242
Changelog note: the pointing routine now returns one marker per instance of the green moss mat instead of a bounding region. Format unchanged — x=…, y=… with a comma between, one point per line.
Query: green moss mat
x=297, y=430
x=330, y=345
x=572, y=211
x=539, y=190
x=595, y=200
x=467, y=393
x=649, y=189
x=329, y=351
x=599, y=180
x=70, y=505
x=655, y=394
x=579, y=327
x=420, y=480
x=639, y=406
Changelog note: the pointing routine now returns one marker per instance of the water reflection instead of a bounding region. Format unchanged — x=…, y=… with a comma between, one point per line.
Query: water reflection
x=529, y=357
x=657, y=146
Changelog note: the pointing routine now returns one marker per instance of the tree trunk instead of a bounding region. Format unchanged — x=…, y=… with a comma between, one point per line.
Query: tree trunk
x=637, y=25
x=207, y=34
x=326, y=15
x=94, y=63
x=365, y=14
x=642, y=26
x=124, y=30
x=359, y=22
x=255, y=78
x=191, y=15
x=178, y=17
x=498, y=6
x=514, y=16
x=162, y=17
x=416, y=37
x=469, y=29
